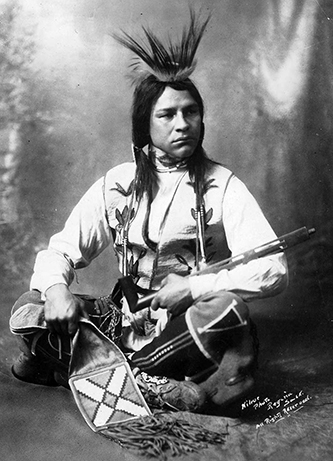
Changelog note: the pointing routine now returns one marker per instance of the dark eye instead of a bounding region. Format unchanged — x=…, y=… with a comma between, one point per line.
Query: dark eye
x=192, y=111
x=166, y=115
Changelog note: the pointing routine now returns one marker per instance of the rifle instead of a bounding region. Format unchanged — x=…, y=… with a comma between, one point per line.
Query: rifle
x=289, y=240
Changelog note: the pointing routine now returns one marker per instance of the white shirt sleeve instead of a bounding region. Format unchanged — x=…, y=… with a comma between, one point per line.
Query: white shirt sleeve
x=85, y=235
x=246, y=228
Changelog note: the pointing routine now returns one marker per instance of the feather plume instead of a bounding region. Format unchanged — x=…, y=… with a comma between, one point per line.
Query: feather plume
x=168, y=63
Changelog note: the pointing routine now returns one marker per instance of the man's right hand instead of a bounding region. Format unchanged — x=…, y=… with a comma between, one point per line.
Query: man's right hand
x=62, y=310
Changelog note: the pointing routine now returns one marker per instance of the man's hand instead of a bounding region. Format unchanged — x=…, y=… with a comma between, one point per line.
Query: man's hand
x=174, y=295
x=62, y=310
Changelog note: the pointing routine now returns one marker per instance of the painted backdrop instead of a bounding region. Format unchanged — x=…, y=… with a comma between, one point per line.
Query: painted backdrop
x=265, y=73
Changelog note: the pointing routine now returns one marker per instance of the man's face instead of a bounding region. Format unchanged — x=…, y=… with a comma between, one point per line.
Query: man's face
x=175, y=126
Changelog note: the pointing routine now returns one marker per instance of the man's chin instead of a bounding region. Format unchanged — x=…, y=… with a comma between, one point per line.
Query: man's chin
x=183, y=153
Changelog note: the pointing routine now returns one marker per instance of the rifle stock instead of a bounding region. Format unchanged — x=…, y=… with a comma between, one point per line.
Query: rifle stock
x=275, y=246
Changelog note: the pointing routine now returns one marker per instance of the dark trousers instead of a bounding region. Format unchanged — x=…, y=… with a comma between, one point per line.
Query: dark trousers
x=194, y=344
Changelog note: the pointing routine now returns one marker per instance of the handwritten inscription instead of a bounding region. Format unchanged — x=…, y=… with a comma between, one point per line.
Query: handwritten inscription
x=281, y=408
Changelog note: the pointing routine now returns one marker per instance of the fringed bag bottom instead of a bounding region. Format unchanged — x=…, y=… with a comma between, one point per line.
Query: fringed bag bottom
x=112, y=404
x=163, y=434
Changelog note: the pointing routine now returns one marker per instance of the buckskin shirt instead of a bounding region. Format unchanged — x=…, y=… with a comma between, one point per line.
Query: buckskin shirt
x=161, y=238
x=162, y=234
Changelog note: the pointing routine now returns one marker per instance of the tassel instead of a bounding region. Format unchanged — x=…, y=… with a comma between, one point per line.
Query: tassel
x=163, y=434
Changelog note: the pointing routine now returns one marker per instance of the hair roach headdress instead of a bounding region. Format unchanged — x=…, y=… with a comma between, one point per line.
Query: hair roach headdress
x=168, y=63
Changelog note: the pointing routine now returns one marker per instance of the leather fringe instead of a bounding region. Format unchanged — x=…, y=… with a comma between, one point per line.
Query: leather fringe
x=163, y=434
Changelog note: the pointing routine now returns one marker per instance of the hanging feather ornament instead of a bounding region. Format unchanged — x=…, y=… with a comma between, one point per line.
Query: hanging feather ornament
x=167, y=63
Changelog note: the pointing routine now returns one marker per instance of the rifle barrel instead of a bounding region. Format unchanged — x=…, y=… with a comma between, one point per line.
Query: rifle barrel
x=275, y=246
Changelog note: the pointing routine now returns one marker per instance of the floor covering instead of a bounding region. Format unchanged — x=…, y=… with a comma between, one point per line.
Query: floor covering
x=288, y=417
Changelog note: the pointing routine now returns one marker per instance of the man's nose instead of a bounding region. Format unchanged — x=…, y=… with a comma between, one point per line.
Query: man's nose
x=181, y=122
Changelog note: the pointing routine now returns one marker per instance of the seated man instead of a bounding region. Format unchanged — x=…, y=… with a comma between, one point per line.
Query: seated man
x=170, y=213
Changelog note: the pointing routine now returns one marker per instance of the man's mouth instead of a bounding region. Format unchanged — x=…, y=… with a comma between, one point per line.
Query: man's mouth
x=185, y=139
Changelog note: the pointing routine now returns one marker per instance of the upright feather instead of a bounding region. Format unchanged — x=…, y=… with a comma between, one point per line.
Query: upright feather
x=168, y=63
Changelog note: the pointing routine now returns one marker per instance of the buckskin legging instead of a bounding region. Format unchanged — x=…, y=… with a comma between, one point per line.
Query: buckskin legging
x=213, y=342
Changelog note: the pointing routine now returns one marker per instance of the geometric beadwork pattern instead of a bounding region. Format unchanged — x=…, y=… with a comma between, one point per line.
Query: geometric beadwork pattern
x=108, y=397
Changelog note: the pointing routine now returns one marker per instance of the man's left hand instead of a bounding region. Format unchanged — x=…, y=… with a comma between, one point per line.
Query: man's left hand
x=174, y=295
